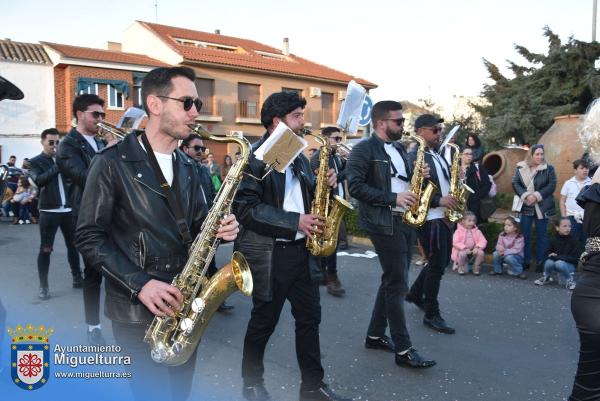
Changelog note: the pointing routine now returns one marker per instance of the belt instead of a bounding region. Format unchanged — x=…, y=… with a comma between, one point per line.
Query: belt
x=397, y=214
x=301, y=241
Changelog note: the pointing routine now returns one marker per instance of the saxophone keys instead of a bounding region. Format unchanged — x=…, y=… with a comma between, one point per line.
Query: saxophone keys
x=186, y=325
x=198, y=305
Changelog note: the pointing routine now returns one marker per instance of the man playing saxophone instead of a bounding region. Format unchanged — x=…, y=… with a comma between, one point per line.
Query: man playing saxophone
x=275, y=216
x=379, y=174
x=128, y=229
x=436, y=234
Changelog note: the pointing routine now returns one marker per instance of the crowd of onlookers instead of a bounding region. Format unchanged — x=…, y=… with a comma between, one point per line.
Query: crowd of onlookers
x=19, y=200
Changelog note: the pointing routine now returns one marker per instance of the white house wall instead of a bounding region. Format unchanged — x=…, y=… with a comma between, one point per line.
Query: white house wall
x=22, y=121
x=138, y=39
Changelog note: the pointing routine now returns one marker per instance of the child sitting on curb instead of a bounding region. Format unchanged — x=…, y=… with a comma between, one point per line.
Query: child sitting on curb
x=468, y=241
x=509, y=250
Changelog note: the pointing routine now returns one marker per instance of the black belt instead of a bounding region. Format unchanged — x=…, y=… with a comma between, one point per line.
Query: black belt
x=397, y=214
x=301, y=241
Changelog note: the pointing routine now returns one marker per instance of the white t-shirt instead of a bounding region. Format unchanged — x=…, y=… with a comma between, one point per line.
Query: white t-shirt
x=571, y=189
x=440, y=167
x=292, y=200
x=165, y=162
x=90, y=139
x=397, y=184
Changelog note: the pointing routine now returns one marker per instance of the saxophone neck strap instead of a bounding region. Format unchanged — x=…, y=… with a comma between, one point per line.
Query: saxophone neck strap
x=170, y=194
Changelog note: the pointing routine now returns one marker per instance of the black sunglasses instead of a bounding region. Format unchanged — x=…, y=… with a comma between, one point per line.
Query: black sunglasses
x=52, y=142
x=187, y=101
x=436, y=130
x=96, y=114
x=336, y=138
x=399, y=121
x=199, y=148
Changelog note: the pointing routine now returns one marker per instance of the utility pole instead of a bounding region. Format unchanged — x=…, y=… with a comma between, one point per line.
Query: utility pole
x=594, y=21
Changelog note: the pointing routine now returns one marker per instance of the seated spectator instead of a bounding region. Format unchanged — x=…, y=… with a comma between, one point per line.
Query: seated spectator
x=468, y=242
x=6, y=205
x=563, y=254
x=21, y=201
x=509, y=250
x=570, y=189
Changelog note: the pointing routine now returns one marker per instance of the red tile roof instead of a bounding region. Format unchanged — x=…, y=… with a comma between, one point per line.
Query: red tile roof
x=245, y=55
x=25, y=52
x=111, y=56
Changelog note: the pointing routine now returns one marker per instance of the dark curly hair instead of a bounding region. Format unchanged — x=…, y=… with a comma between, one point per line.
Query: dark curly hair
x=280, y=104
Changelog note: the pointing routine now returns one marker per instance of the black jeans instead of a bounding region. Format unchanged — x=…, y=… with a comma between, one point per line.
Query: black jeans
x=150, y=380
x=291, y=281
x=436, y=238
x=585, y=306
x=92, y=281
x=394, y=253
x=49, y=223
x=329, y=263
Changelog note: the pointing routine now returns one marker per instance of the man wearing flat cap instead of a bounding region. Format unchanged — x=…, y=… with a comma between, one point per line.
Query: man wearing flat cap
x=436, y=234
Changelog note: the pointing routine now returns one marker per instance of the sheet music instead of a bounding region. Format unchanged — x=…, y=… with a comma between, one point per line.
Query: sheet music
x=281, y=148
x=351, y=108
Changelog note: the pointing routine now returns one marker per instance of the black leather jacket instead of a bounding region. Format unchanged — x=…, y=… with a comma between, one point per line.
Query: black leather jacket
x=73, y=157
x=126, y=228
x=258, y=206
x=207, y=184
x=369, y=181
x=44, y=173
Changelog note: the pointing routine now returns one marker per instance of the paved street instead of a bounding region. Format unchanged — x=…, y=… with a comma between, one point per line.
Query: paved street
x=514, y=341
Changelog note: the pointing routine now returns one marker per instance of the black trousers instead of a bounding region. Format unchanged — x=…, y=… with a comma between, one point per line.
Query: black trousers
x=49, y=224
x=329, y=263
x=291, y=281
x=394, y=253
x=436, y=238
x=585, y=306
x=150, y=380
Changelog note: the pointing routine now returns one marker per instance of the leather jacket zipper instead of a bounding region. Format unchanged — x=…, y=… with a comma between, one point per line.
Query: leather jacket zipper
x=149, y=187
x=142, y=252
x=117, y=279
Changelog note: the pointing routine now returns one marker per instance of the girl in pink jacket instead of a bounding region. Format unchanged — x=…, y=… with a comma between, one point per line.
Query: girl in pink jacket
x=468, y=241
x=509, y=250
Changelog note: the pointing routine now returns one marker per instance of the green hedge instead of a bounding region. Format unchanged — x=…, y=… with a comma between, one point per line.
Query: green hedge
x=352, y=227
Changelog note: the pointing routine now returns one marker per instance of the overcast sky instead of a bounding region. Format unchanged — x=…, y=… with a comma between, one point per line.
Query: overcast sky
x=411, y=49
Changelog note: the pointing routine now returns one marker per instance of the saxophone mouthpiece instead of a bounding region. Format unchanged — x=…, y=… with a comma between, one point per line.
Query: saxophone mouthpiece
x=200, y=130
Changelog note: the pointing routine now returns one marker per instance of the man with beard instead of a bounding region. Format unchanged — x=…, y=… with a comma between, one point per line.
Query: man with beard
x=55, y=210
x=73, y=158
x=141, y=209
x=379, y=175
x=436, y=234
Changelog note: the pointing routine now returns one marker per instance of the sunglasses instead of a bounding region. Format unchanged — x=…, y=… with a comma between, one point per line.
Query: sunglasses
x=52, y=142
x=336, y=138
x=187, y=101
x=399, y=121
x=435, y=130
x=199, y=148
x=96, y=114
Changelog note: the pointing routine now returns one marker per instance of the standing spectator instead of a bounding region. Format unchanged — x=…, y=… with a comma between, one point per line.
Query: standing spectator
x=509, y=250
x=215, y=171
x=55, y=212
x=74, y=155
x=570, y=189
x=13, y=173
x=468, y=242
x=227, y=163
x=563, y=254
x=476, y=178
x=534, y=183
x=473, y=142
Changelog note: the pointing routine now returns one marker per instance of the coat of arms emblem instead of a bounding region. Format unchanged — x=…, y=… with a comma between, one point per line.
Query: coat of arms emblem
x=30, y=356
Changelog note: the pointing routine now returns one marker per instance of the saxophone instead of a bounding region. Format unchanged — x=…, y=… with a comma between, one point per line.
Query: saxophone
x=416, y=215
x=324, y=244
x=458, y=189
x=173, y=340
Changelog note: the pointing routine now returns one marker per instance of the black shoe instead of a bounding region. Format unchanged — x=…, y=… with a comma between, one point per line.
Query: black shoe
x=44, y=293
x=437, y=323
x=77, y=281
x=418, y=302
x=323, y=393
x=256, y=393
x=382, y=342
x=95, y=337
x=413, y=360
x=225, y=307
x=342, y=246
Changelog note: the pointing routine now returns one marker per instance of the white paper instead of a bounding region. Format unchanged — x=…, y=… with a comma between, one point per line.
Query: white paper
x=351, y=108
x=132, y=118
x=290, y=145
x=453, y=131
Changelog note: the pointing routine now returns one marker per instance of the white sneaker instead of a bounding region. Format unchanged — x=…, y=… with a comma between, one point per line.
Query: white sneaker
x=27, y=221
x=21, y=222
x=570, y=284
x=11, y=213
x=543, y=280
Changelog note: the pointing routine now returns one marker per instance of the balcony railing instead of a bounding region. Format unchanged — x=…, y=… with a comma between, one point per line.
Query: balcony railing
x=210, y=106
x=248, y=109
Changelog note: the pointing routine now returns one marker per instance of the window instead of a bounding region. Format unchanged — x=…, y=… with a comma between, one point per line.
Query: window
x=327, y=108
x=115, y=98
x=248, y=98
x=206, y=93
x=91, y=89
x=137, y=89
